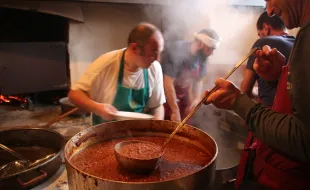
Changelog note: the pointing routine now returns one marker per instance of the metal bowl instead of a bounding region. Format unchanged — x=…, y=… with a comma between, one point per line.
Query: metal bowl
x=133, y=165
x=66, y=106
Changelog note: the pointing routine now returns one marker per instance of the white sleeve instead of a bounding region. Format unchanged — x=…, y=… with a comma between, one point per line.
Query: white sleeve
x=157, y=97
x=87, y=81
x=100, y=79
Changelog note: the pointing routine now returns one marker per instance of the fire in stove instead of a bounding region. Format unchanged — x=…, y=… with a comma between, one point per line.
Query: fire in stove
x=8, y=99
x=24, y=102
x=3, y=99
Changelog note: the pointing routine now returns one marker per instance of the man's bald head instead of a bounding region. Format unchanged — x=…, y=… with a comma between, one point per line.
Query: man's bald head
x=145, y=42
x=142, y=33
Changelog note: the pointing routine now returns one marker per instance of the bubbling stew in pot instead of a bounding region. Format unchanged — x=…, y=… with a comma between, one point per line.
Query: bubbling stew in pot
x=180, y=159
x=141, y=150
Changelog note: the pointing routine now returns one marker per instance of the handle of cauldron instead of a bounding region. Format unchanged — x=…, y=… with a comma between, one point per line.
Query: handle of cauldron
x=32, y=181
x=12, y=152
x=60, y=117
x=215, y=88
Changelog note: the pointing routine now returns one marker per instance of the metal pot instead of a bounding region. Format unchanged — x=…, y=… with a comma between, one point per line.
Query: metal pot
x=201, y=180
x=229, y=132
x=66, y=106
x=33, y=140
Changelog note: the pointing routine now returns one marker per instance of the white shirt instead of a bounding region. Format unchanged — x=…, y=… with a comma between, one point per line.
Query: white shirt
x=101, y=78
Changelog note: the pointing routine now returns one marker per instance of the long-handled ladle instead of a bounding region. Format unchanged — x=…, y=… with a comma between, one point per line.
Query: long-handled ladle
x=19, y=165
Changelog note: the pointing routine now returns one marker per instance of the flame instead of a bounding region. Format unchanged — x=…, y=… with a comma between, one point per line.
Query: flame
x=4, y=99
x=16, y=98
x=7, y=99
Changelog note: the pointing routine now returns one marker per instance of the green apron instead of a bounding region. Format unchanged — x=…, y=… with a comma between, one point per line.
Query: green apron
x=128, y=99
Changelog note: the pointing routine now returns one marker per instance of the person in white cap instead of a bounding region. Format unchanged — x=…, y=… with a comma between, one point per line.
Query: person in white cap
x=184, y=66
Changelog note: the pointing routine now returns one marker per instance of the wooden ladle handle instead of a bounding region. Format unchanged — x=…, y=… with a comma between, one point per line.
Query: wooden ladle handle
x=60, y=117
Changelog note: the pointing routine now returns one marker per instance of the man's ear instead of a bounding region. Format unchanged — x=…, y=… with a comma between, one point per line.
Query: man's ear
x=265, y=27
x=200, y=44
x=133, y=47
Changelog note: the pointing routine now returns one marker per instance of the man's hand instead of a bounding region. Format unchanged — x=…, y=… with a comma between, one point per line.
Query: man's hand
x=175, y=116
x=106, y=111
x=225, y=97
x=268, y=63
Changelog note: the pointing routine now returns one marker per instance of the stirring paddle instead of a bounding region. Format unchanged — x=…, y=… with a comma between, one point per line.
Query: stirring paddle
x=60, y=117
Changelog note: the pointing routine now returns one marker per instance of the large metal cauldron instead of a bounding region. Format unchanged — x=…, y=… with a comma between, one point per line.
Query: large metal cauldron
x=31, y=143
x=200, y=180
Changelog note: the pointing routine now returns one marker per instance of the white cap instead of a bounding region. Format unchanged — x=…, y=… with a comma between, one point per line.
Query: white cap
x=207, y=40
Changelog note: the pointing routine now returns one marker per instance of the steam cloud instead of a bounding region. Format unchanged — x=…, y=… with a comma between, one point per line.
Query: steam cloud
x=236, y=26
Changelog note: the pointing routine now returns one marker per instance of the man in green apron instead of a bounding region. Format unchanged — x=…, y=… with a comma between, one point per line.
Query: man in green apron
x=128, y=79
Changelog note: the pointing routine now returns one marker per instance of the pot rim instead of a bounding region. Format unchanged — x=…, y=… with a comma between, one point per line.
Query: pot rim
x=43, y=163
x=65, y=101
x=141, y=183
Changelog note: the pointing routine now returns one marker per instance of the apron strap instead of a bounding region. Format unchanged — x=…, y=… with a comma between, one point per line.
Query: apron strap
x=121, y=69
x=248, y=171
x=146, y=85
x=145, y=76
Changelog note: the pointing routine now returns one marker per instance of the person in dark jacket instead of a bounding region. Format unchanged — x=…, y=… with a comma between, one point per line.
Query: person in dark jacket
x=280, y=158
x=272, y=32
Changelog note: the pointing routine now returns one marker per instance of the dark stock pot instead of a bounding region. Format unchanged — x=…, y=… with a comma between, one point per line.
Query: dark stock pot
x=32, y=143
x=200, y=180
x=66, y=106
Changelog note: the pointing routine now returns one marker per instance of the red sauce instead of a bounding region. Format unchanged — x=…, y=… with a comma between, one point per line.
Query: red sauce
x=180, y=159
x=141, y=150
